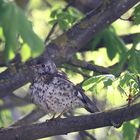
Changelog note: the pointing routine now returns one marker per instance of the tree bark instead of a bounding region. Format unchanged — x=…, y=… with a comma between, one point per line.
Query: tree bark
x=70, y=124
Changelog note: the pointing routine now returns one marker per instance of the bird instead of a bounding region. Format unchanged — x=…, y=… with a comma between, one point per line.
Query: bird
x=54, y=93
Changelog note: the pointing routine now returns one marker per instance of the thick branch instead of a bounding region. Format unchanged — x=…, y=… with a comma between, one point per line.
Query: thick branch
x=80, y=34
x=86, y=6
x=70, y=124
x=12, y=79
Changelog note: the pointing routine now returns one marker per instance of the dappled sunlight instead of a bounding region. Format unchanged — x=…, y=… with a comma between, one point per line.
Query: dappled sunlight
x=94, y=54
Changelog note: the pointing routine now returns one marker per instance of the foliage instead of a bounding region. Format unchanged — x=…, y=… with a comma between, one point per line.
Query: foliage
x=65, y=19
x=113, y=43
x=17, y=36
x=129, y=131
x=92, y=82
x=5, y=118
x=15, y=25
x=127, y=82
x=136, y=15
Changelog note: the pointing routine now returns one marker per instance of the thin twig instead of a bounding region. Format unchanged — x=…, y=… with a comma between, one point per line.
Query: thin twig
x=29, y=118
x=76, y=70
x=86, y=134
x=47, y=3
x=89, y=66
x=13, y=100
x=55, y=24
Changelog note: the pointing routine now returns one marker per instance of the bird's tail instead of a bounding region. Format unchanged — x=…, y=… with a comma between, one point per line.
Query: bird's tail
x=89, y=105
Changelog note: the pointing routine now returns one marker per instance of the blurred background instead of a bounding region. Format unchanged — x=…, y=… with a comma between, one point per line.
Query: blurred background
x=107, y=90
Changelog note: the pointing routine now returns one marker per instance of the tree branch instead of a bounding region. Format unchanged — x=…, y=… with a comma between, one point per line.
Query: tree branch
x=84, y=135
x=11, y=79
x=89, y=66
x=12, y=103
x=76, y=70
x=13, y=100
x=128, y=39
x=70, y=124
x=31, y=117
x=86, y=6
x=80, y=34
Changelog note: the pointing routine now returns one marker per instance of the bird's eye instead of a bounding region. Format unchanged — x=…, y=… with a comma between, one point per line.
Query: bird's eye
x=43, y=65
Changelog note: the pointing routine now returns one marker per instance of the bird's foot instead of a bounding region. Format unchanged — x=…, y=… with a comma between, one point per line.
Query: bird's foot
x=51, y=119
x=59, y=116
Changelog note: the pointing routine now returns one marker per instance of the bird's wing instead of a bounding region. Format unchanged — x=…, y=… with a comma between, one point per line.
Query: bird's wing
x=89, y=105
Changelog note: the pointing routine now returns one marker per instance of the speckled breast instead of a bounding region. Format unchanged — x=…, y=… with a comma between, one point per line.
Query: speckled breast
x=54, y=96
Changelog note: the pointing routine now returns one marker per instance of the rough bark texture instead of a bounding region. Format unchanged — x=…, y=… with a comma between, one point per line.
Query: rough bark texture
x=70, y=124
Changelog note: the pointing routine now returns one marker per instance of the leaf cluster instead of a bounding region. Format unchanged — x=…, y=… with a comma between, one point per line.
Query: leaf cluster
x=17, y=31
x=65, y=19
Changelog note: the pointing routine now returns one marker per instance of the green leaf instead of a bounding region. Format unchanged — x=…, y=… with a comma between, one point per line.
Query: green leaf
x=75, y=15
x=136, y=40
x=129, y=83
x=94, y=80
x=10, y=31
x=129, y=131
x=5, y=118
x=65, y=19
x=14, y=23
x=95, y=41
x=126, y=77
x=28, y=36
x=109, y=43
x=113, y=43
x=136, y=15
x=63, y=24
x=134, y=61
x=97, y=79
x=137, y=55
x=61, y=16
x=118, y=68
x=54, y=13
x=108, y=82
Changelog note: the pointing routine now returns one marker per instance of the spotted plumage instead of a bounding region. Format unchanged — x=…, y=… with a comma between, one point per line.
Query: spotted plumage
x=54, y=93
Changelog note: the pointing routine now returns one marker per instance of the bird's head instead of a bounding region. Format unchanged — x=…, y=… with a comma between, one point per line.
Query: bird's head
x=45, y=68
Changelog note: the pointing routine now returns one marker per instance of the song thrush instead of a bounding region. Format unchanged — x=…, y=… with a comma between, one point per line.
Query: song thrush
x=54, y=93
